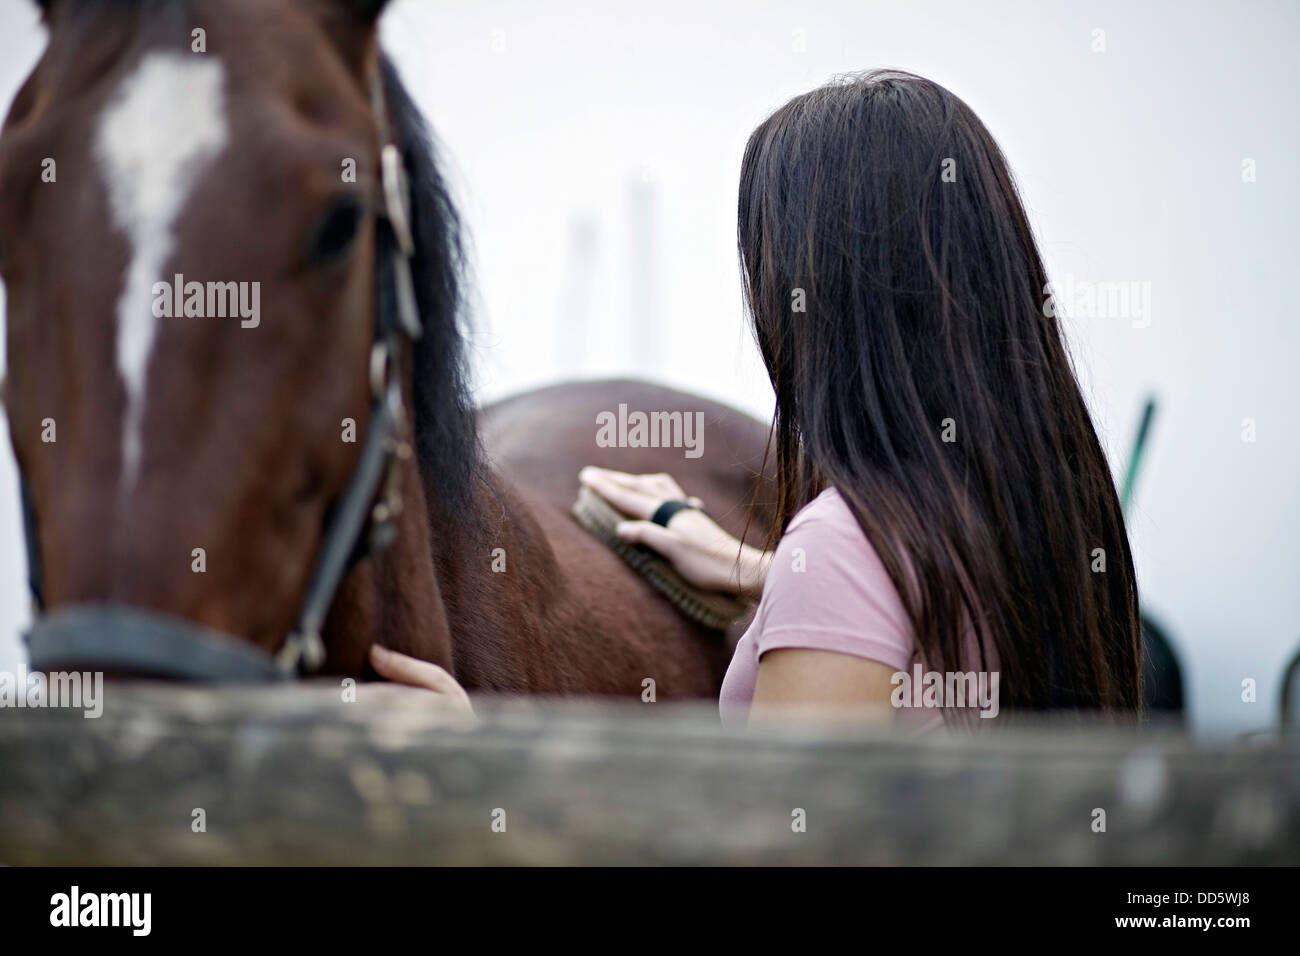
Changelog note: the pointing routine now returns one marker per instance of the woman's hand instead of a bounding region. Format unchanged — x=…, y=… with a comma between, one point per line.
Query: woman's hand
x=414, y=672
x=697, y=548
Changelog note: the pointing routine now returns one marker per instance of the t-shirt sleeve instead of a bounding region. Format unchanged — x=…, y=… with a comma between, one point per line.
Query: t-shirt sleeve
x=827, y=589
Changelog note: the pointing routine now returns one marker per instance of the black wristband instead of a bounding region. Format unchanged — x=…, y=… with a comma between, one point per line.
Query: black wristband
x=664, y=513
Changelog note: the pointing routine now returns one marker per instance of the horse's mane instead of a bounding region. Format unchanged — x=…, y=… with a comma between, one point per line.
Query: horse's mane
x=446, y=440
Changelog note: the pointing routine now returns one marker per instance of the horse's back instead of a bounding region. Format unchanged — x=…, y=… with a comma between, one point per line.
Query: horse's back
x=606, y=630
x=541, y=438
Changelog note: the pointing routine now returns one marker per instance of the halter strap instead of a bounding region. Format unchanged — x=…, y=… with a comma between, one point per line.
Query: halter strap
x=386, y=446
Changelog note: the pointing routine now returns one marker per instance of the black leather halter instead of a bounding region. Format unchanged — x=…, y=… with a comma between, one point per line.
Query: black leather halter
x=118, y=638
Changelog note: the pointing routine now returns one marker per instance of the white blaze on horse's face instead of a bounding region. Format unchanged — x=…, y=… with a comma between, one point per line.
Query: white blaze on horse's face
x=165, y=125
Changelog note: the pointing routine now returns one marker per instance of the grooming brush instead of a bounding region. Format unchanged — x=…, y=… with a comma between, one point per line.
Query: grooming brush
x=711, y=608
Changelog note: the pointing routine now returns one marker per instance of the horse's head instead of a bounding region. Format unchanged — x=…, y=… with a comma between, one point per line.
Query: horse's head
x=195, y=349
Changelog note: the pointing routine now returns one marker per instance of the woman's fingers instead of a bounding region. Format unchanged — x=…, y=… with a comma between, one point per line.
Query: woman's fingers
x=608, y=475
x=626, y=479
x=406, y=671
x=659, y=485
x=636, y=495
x=638, y=504
x=402, y=669
x=651, y=535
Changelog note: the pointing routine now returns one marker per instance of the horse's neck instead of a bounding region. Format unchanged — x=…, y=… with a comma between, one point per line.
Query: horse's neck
x=394, y=598
x=496, y=575
x=450, y=589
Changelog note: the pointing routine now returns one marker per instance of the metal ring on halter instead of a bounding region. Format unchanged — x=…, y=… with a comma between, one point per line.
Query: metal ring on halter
x=381, y=369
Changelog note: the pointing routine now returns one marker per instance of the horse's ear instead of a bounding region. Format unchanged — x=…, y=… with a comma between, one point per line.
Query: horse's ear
x=351, y=25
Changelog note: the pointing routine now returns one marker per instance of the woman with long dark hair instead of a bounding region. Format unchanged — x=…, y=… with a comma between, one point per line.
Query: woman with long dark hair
x=943, y=497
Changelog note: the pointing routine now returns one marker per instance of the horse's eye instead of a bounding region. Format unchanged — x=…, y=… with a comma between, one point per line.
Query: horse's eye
x=337, y=232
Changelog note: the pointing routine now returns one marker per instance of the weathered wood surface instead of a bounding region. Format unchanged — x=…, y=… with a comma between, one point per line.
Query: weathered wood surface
x=295, y=775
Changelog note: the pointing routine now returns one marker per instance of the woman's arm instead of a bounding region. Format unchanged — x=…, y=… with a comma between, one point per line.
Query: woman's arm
x=793, y=683
x=803, y=683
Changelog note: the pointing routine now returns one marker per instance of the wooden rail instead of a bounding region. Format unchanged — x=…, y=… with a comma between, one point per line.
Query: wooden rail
x=294, y=775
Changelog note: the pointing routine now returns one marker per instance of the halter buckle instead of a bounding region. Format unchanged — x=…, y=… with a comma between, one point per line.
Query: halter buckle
x=305, y=650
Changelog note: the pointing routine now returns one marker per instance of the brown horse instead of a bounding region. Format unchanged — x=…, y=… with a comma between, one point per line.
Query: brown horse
x=197, y=464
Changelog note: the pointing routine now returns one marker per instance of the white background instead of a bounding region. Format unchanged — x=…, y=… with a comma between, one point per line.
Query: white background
x=595, y=149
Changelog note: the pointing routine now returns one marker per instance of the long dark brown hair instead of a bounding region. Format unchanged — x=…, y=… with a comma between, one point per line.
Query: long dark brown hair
x=897, y=296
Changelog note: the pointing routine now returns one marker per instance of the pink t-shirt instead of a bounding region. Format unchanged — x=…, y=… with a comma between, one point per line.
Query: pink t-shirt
x=828, y=590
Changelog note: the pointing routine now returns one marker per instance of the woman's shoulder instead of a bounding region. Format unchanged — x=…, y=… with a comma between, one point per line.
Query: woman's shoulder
x=828, y=589
x=826, y=529
x=828, y=512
